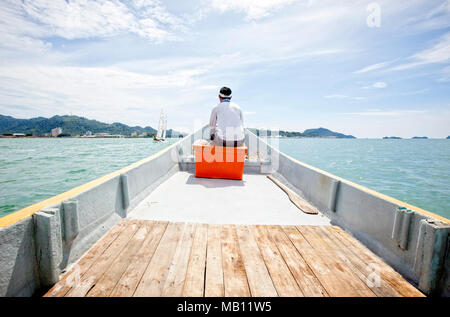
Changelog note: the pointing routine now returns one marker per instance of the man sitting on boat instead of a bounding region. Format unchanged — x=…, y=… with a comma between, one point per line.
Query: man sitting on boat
x=227, y=123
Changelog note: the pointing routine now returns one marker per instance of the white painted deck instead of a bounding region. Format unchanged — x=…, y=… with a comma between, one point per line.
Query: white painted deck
x=254, y=200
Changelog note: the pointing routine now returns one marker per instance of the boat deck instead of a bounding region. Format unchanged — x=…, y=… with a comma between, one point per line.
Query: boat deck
x=253, y=200
x=157, y=258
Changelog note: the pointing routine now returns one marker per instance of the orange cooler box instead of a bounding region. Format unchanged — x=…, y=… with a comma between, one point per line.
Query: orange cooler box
x=217, y=161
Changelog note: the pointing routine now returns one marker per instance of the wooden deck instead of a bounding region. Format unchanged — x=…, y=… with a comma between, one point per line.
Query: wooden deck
x=148, y=258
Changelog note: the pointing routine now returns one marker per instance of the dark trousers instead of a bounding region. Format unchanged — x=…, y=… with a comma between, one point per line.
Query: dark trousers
x=219, y=142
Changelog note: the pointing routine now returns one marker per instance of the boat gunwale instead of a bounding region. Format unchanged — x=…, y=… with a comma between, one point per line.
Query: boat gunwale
x=28, y=211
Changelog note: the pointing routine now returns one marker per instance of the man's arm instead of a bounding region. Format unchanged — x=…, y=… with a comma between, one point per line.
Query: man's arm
x=212, y=123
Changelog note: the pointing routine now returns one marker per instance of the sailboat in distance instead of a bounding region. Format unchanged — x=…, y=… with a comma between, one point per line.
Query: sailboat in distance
x=162, y=126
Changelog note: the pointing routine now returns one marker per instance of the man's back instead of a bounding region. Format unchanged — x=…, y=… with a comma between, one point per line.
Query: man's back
x=227, y=121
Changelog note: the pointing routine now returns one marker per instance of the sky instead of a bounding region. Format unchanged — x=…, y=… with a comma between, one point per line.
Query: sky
x=366, y=68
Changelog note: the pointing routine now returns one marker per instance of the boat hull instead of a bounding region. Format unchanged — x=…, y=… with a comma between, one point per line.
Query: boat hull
x=40, y=241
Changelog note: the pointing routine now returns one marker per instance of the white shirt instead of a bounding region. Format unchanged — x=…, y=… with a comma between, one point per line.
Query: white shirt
x=227, y=121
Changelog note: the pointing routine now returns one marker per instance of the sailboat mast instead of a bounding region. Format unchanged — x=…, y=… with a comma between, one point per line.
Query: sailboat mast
x=159, y=134
x=165, y=127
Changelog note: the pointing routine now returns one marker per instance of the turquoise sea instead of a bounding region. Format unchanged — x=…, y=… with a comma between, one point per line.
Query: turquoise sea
x=32, y=170
x=415, y=171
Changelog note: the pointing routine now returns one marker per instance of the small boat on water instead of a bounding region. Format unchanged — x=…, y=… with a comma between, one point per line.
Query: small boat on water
x=154, y=229
x=162, y=127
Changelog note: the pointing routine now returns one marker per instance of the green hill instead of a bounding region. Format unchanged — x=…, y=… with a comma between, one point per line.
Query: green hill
x=72, y=125
x=322, y=132
x=309, y=133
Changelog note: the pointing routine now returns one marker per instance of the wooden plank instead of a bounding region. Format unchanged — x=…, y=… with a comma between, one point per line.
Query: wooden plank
x=94, y=273
x=214, y=286
x=234, y=275
x=282, y=278
x=360, y=268
x=133, y=274
x=195, y=276
x=319, y=265
x=109, y=279
x=306, y=280
x=387, y=273
x=342, y=269
x=301, y=204
x=79, y=269
x=258, y=276
x=173, y=286
x=153, y=280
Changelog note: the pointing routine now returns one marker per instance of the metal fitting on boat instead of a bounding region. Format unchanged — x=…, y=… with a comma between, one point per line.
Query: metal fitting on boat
x=335, y=184
x=49, y=254
x=70, y=218
x=125, y=191
x=431, y=254
x=400, y=230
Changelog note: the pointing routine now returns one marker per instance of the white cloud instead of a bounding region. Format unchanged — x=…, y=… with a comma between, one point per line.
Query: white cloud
x=253, y=9
x=102, y=92
x=344, y=97
x=390, y=113
x=128, y=82
x=445, y=74
x=438, y=53
x=39, y=19
x=372, y=67
x=378, y=85
x=436, y=17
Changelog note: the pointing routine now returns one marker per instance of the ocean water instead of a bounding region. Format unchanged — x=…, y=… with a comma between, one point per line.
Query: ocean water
x=32, y=170
x=414, y=171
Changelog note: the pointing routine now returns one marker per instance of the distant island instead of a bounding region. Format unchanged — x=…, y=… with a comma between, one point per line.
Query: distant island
x=72, y=126
x=419, y=137
x=80, y=126
x=392, y=137
x=308, y=133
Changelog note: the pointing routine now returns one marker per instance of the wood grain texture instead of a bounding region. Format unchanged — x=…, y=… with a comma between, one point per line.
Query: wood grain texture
x=194, y=284
x=282, y=278
x=363, y=270
x=174, y=283
x=109, y=279
x=152, y=258
x=348, y=279
x=234, y=274
x=104, y=261
x=154, y=278
x=258, y=276
x=304, y=276
x=133, y=274
x=79, y=269
x=214, y=273
x=387, y=273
